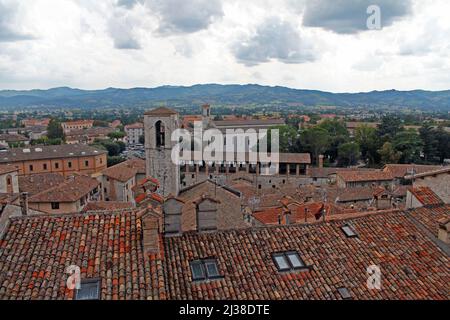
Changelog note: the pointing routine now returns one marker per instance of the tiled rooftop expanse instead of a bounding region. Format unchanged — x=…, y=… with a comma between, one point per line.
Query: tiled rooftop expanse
x=36, y=251
x=412, y=266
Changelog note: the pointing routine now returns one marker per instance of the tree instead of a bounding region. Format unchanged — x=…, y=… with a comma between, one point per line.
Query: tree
x=338, y=134
x=409, y=144
x=116, y=135
x=389, y=154
x=101, y=123
x=430, y=139
x=315, y=140
x=112, y=161
x=54, y=130
x=366, y=138
x=289, y=138
x=443, y=138
x=389, y=127
x=348, y=154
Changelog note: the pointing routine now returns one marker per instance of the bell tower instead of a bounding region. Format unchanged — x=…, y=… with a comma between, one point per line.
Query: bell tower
x=159, y=125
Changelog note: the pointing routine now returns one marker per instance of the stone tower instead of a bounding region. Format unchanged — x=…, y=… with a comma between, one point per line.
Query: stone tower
x=159, y=125
x=206, y=116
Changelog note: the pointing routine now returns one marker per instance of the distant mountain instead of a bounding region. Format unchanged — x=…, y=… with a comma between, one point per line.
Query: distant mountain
x=223, y=95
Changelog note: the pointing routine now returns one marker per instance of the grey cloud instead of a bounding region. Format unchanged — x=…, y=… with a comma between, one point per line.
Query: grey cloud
x=9, y=31
x=350, y=16
x=121, y=30
x=128, y=3
x=274, y=39
x=181, y=16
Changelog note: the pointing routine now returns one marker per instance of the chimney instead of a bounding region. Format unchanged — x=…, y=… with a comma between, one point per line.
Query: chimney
x=444, y=230
x=150, y=233
x=321, y=157
x=24, y=203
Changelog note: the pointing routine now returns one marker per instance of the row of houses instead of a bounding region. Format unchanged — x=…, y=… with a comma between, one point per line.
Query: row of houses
x=195, y=247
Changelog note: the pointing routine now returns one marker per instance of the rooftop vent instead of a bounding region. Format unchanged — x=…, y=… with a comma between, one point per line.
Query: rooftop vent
x=349, y=231
x=26, y=150
x=71, y=154
x=38, y=149
x=345, y=294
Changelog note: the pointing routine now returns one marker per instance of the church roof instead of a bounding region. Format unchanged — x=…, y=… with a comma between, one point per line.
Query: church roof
x=162, y=111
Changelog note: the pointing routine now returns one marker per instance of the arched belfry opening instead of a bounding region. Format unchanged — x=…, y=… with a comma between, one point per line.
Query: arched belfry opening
x=160, y=134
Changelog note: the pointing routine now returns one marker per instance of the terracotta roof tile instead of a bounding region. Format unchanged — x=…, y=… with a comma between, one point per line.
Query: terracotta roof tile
x=107, y=206
x=126, y=170
x=36, y=183
x=365, y=175
x=402, y=170
x=49, y=152
x=390, y=240
x=426, y=196
x=430, y=217
x=35, y=252
x=162, y=111
x=72, y=189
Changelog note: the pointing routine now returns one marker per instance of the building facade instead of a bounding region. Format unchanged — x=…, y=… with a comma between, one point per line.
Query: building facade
x=134, y=132
x=77, y=125
x=63, y=159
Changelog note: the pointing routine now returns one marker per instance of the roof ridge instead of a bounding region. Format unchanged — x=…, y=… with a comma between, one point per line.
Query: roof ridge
x=77, y=214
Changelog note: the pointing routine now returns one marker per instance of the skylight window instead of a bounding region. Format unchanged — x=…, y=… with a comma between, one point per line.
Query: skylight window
x=345, y=294
x=288, y=261
x=349, y=231
x=90, y=290
x=204, y=270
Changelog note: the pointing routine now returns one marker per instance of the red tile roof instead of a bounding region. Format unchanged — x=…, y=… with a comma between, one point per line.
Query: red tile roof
x=107, y=206
x=430, y=217
x=137, y=125
x=71, y=190
x=365, y=175
x=126, y=170
x=443, y=170
x=413, y=266
x=36, y=183
x=402, y=170
x=162, y=111
x=35, y=252
x=426, y=196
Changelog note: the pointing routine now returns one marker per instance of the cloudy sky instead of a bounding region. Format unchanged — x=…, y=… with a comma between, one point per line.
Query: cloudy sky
x=316, y=44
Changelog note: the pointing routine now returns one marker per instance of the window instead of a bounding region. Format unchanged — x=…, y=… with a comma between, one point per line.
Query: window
x=69, y=164
x=55, y=205
x=205, y=270
x=288, y=261
x=44, y=166
x=86, y=163
x=160, y=134
x=31, y=167
x=56, y=165
x=345, y=294
x=8, y=181
x=90, y=290
x=349, y=231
